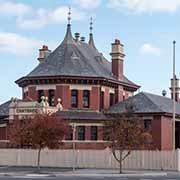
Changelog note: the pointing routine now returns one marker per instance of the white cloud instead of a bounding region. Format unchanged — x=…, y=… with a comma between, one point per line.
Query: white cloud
x=8, y=8
x=88, y=4
x=150, y=49
x=139, y=6
x=16, y=44
x=44, y=17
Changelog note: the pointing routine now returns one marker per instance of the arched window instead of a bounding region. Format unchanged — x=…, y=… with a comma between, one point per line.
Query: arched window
x=51, y=97
x=86, y=95
x=74, y=98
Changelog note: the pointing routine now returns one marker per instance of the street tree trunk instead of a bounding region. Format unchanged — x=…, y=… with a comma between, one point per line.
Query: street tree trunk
x=120, y=161
x=39, y=158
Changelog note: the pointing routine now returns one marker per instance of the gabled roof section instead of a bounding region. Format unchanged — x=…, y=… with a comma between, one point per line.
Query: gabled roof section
x=146, y=103
x=4, y=109
x=76, y=58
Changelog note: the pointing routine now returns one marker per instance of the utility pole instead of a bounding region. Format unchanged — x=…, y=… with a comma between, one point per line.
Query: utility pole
x=174, y=101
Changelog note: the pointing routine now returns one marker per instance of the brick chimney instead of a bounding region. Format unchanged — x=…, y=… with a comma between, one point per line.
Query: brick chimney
x=176, y=89
x=117, y=55
x=43, y=53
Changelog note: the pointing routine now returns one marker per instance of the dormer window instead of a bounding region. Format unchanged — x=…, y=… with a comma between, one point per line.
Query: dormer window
x=86, y=94
x=74, y=98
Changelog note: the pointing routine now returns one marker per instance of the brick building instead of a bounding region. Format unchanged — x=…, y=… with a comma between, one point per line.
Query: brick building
x=79, y=84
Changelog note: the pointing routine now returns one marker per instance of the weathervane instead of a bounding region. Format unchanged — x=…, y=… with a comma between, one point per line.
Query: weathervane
x=69, y=15
x=91, y=25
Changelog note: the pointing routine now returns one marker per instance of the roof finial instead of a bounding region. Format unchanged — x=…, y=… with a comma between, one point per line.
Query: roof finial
x=69, y=16
x=91, y=25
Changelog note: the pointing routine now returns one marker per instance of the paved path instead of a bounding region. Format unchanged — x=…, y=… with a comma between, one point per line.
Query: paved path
x=11, y=173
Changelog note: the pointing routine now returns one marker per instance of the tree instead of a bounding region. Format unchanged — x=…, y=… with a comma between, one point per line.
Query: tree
x=125, y=134
x=38, y=132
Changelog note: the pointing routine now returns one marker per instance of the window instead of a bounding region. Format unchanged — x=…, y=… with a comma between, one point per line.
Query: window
x=74, y=98
x=102, y=100
x=69, y=136
x=86, y=98
x=40, y=94
x=111, y=99
x=147, y=124
x=81, y=133
x=94, y=133
x=51, y=94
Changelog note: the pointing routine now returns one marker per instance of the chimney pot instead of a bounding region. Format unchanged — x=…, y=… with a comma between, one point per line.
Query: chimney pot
x=43, y=53
x=77, y=35
x=82, y=39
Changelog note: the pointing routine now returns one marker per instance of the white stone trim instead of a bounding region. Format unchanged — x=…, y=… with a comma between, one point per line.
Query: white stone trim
x=25, y=89
x=80, y=87
x=4, y=141
x=3, y=125
x=45, y=87
x=86, y=124
x=148, y=117
x=111, y=90
x=84, y=141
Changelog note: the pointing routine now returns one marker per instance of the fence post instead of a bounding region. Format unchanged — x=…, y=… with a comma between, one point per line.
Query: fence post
x=178, y=159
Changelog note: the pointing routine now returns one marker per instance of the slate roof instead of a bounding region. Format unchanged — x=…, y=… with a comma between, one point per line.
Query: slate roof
x=72, y=58
x=4, y=109
x=146, y=103
x=81, y=115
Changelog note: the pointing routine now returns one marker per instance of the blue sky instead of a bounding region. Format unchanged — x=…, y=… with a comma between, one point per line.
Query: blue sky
x=146, y=28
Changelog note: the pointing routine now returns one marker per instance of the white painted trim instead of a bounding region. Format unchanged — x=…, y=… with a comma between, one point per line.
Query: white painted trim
x=148, y=117
x=85, y=141
x=111, y=90
x=3, y=125
x=86, y=124
x=81, y=87
x=45, y=87
x=6, y=141
x=25, y=89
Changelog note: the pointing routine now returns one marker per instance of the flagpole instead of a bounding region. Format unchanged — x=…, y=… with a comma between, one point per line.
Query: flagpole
x=174, y=100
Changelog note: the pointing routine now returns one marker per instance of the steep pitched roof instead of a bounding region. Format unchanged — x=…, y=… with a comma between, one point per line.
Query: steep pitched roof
x=73, y=58
x=146, y=103
x=4, y=109
x=81, y=115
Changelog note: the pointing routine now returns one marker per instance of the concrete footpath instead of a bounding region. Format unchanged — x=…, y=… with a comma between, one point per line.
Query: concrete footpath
x=57, y=172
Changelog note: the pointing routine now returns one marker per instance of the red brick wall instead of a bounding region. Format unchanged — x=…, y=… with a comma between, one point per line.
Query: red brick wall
x=119, y=94
x=87, y=132
x=100, y=133
x=3, y=133
x=166, y=133
x=95, y=98
x=80, y=99
x=63, y=92
x=58, y=93
x=106, y=98
x=162, y=132
x=32, y=93
x=156, y=132
x=117, y=68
